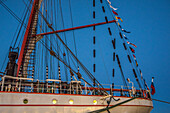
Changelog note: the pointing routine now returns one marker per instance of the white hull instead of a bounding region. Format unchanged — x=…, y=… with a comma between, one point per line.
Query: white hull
x=12, y=102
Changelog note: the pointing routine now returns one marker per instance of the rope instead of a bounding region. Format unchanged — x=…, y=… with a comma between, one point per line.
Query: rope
x=106, y=109
x=82, y=66
x=22, y=24
x=61, y=12
x=59, y=58
x=12, y=13
x=128, y=52
x=73, y=30
x=56, y=39
x=63, y=28
x=161, y=101
x=20, y=21
x=122, y=74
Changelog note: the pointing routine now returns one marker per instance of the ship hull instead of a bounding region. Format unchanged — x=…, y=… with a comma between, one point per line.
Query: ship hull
x=12, y=102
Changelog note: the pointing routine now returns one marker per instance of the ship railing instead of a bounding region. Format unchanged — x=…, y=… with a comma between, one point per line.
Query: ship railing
x=72, y=87
x=119, y=90
x=19, y=79
x=56, y=89
x=12, y=87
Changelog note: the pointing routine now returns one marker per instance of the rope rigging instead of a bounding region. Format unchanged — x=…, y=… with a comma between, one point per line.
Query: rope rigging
x=74, y=38
x=111, y=107
x=124, y=44
x=110, y=33
x=82, y=66
x=56, y=39
x=130, y=57
x=52, y=48
x=59, y=58
x=65, y=43
x=63, y=25
x=27, y=9
x=21, y=24
x=12, y=13
x=98, y=44
x=166, y=102
x=94, y=42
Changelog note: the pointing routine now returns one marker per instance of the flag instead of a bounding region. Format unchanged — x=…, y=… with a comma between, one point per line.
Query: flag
x=125, y=37
x=118, y=18
x=136, y=63
x=133, y=51
x=134, y=56
x=111, y=5
x=146, y=86
x=108, y=1
x=114, y=12
x=152, y=87
x=125, y=31
x=120, y=26
x=131, y=44
x=141, y=74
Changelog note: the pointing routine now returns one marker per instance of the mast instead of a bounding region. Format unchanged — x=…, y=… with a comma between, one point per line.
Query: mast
x=27, y=52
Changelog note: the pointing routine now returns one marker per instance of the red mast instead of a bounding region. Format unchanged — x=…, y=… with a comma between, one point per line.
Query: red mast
x=27, y=34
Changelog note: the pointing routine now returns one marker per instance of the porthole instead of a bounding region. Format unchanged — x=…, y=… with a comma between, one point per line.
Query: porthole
x=94, y=102
x=71, y=101
x=54, y=101
x=25, y=101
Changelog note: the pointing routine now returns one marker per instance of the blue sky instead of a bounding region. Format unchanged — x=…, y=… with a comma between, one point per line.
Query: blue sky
x=148, y=21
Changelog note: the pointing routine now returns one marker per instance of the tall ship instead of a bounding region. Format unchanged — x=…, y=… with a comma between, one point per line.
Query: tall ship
x=72, y=56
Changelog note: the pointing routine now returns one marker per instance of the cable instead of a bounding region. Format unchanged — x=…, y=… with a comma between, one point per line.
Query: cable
x=128, y=52
x=63, y=28
x=73, y=31
x=82, y=66
x=12, y=13
x=161, y=101
x=21, y=25
x=21, y=21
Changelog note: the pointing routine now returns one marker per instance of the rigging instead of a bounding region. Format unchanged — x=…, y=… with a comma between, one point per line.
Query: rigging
x=84, y=68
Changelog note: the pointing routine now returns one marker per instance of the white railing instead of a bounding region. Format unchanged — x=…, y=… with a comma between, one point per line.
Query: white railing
x=72, y=87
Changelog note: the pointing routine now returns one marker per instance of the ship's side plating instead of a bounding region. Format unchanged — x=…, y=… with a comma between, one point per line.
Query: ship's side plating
x=14, y=102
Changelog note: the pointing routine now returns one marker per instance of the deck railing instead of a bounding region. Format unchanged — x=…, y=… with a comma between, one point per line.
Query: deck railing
x=15, y=84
